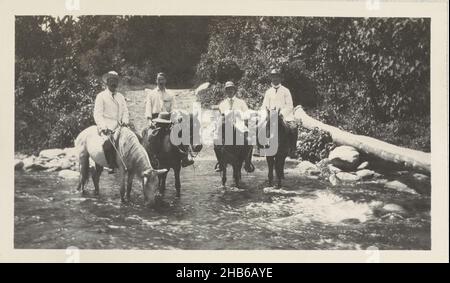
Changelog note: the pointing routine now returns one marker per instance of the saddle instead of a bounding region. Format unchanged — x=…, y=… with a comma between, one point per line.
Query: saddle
x=109, y=145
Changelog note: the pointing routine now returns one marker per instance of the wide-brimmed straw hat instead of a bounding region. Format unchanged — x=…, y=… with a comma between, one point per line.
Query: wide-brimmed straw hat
x=163, y=117
x=110, y=74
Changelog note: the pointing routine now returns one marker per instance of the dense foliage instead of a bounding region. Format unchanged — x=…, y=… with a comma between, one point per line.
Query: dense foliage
x=59, y=63
x=314, y=145
x=367, y=75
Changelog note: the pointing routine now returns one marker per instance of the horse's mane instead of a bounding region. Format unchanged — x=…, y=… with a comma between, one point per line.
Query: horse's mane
x=132, y=150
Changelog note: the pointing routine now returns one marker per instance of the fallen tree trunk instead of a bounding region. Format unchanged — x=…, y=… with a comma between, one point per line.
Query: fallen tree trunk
x=409, y=158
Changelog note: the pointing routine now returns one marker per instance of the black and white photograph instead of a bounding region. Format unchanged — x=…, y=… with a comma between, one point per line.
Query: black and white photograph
x=222, y=132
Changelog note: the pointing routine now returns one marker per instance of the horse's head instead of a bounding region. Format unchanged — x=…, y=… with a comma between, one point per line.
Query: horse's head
x=151, y=185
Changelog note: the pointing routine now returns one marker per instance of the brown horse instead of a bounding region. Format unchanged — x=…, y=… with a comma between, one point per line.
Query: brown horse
x=132, y=161
x=164, y=154
x=231, y=151
x=280, y=136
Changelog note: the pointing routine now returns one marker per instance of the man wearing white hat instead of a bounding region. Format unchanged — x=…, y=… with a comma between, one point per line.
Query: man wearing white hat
x=110, y=111
x=278, y=97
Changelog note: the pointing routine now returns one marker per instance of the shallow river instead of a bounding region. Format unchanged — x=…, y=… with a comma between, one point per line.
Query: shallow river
x=304, y=214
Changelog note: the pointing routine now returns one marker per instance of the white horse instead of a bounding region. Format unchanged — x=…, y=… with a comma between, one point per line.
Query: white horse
x=132, y=160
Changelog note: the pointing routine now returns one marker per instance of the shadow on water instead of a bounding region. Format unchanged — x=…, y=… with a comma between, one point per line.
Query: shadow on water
x=304, y=214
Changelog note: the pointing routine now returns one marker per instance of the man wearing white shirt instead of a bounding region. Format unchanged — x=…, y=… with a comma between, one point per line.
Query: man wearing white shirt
x=239, y=109
x=279, y=97
x=159, y=99
x=110, y=111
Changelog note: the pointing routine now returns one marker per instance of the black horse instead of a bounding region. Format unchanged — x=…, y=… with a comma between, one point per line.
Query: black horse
x=282, y=137
x=164, y=154
x=234, y=150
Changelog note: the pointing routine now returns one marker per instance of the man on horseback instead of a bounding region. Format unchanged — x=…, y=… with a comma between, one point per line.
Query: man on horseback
x=110, y=112
x=161, y=100
x=278, y=97
x=239, y=109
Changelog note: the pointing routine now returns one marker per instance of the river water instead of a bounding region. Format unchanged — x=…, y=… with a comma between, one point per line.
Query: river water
x=304, y=214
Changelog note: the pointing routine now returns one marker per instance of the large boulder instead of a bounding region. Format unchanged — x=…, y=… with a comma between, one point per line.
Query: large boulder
x=365, y=174
x=421, y=177
x=333, y=169
x=308, y=168
x=18, y=164
x=71, y=153
x=68, y=174
x=65, y=163
x=333, y=180
x=400, y=187
x=344, y=157
x=51, y=153
x=33, y=163
x=28, y=162
x=53, y=164
x=363, y=165
x=392, y=207
x=347, y=177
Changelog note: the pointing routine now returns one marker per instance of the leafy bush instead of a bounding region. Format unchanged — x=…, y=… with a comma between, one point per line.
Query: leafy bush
x=58, y=74
x=69, y=126
x=357, y=73
x=314, y=145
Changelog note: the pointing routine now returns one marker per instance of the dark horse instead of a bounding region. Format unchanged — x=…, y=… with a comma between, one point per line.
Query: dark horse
x=229, y=151
x=277, y=159
x=164, y=154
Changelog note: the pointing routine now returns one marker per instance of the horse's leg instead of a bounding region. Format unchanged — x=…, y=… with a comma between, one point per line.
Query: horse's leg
x=122, y=177
x=238, y=169
x=129, y=185
x=279, y=168
x=162, y=188
x=84, y=171
x=176, y=170
x=224, y=174
x=96, y=178
x=270, y=163
x=283, y=161
x=235, y=175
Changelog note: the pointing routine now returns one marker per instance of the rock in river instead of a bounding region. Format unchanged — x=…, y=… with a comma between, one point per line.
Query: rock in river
x=344, y=157
x=308, y=168
x=347, y=177
x=333, y=179
x=392, y=207
x=18, y=164
x=363, y=165
x=420, y=177
x=68, y=174
x=51, y=153
x=28, y=162
x=366, y=174
x=400, y=187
